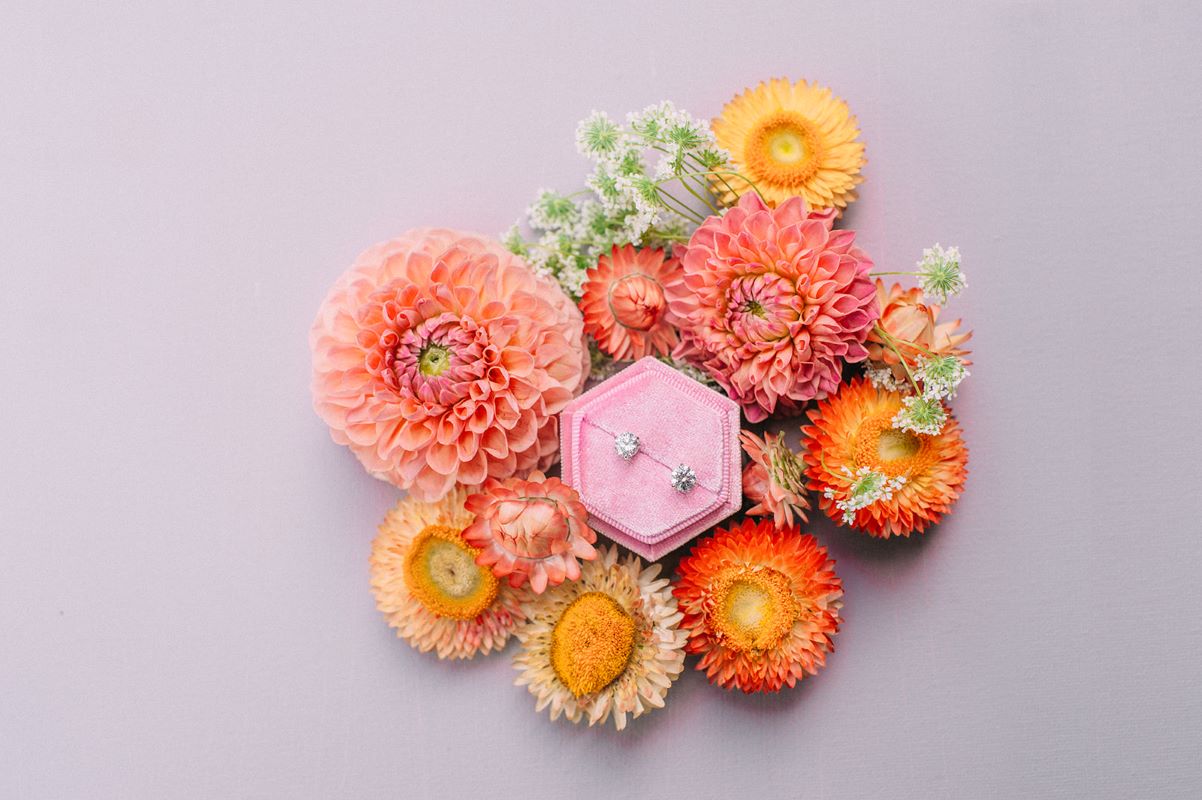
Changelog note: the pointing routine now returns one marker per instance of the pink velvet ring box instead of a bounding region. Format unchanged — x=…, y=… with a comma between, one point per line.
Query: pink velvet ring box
x=677, y=421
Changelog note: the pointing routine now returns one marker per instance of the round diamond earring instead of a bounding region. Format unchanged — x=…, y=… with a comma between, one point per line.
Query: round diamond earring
x=626, y=444
x=683, y=478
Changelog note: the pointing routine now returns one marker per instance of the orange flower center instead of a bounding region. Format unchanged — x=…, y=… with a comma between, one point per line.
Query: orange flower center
x=636, y=301
x=591, y=643
x=441, y=572
x=880, y=446
x=783, y=150
x=753, y=608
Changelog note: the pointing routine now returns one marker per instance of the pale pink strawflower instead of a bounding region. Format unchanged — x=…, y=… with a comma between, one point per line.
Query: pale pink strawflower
x=774, y=301
x=440, y=357
x=774, y=479
x=530, y=531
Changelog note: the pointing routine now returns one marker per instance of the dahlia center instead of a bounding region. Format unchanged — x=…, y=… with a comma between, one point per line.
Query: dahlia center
x=434, y=360
x=761, y=308
x=636, y=302
x=754, y=609
x=441, y=572
x=591, y=643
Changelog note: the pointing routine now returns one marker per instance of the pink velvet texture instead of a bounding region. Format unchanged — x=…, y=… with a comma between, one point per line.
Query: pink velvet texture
x=678, y=421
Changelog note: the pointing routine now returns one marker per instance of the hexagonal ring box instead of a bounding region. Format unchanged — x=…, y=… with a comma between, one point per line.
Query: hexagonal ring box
x=678, y=421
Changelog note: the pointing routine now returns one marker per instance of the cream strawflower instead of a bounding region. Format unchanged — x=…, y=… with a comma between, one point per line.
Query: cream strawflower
x=428, y=585
x=608, y=644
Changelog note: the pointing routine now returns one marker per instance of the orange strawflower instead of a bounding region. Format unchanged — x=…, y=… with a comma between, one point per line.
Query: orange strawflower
x=530, y=531
x=852, y=433
x=906, y=318
x=761, y=605
x=625, y=305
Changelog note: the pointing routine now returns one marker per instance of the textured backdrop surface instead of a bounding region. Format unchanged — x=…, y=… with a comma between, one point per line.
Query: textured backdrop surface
x=184, y=608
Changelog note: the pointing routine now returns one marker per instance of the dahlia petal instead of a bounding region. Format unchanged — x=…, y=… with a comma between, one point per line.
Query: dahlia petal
x=442, y=458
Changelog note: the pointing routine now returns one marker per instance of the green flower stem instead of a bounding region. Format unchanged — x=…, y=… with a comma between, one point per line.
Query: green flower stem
x=681, y=208
x=877, y=274
x=725, y=182
x=902, y=358
x=884, y=334
x=693, y=192
x=681, y=177
x=721, y=172
x=892, y=342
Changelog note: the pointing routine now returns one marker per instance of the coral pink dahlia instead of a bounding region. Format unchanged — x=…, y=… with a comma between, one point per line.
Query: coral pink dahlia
x=440, y=357
x=775, y=301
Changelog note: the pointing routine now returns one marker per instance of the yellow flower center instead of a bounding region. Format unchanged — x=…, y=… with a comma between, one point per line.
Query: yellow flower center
x=786, y=146
x=783, y=150
x=880, y=446
x=434, y=360
x=591, y=643
x=441, y=572
x=753, y=608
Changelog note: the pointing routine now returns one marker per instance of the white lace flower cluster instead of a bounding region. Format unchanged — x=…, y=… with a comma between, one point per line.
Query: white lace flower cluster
x=940, y=273
x=867, y=487
x=932, y=378
x=882, y=377
x=626, y=202
x=940, y=375
x=921, y=414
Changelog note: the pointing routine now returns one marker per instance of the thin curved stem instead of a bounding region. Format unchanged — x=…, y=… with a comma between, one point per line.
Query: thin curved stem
x=681, y=207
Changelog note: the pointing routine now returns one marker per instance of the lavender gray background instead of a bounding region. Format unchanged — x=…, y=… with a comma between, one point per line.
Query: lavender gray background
x=184, y=609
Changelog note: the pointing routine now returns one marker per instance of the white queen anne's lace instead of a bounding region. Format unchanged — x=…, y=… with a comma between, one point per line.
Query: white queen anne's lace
x=868, y=486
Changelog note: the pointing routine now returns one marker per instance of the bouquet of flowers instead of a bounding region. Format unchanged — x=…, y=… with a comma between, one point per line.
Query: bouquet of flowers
x=453, y=366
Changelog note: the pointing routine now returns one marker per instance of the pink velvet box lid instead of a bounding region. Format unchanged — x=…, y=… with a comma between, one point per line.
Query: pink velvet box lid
x=678, y=421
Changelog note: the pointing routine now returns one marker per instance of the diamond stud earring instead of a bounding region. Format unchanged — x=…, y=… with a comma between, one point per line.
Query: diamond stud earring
x=683, y=478
x=626, y=444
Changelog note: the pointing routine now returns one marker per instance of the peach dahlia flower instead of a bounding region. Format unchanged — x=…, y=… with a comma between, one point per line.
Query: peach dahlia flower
x=625, y=304
x=775, y=301
x=440, y=357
